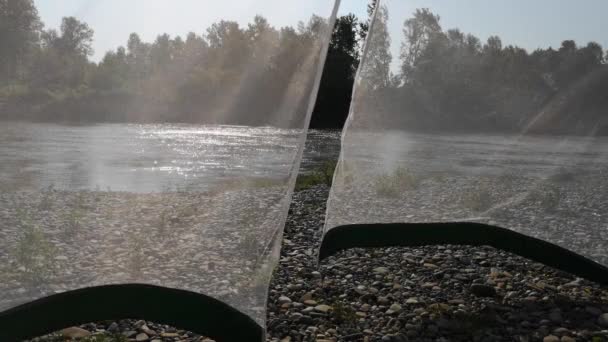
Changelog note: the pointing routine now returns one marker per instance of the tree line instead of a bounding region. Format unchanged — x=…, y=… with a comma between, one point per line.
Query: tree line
x=230, y=74
x=447, y=80
x=451, y=81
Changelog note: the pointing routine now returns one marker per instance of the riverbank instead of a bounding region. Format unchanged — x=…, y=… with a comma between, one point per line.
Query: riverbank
x=436, y=293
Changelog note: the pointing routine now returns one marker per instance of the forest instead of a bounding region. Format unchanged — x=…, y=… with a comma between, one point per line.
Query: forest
x=228, y=74
x=448, y=79
x=451, y=81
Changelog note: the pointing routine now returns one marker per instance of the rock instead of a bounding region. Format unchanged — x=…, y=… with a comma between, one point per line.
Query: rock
x=602, y=320
x=381, y=270
x=555, y=316
x=144, y=328
x=412, y=300
x=75, y=332
x=481, y=290
x=283, y=300
x=141, y=337
x=310, y=302
x=593, y=310
x=393, y=309
x=568, y=339
x=306, y=296
x=169, y=334
x=323, y=308
x=551, y=338
x=113, y=328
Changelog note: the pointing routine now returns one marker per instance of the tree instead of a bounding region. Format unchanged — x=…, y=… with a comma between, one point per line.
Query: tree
x=418, y=31
x=19, y=35
x=335, y=90
x=376, y=71
x=76, y=38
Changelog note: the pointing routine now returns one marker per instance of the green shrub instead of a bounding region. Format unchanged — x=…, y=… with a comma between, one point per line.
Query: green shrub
x=546, y=197
x=322, y=175
x=478, y=199
x=343, y=313
x=397, y=182
x=34, y=253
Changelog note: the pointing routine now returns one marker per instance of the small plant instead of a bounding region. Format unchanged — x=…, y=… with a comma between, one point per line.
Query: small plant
x=46, y=200
x=478, y=199
x=163, y=222
x=322, y=175
x=562, y=176
x=136, y=254
x=33, y=253
x=395, y=183
x=250, y=244
x=546, y=197
x=343, y=313
x=73, y=221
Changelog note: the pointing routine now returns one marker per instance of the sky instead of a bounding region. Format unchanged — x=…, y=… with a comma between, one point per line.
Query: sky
x=526, y=23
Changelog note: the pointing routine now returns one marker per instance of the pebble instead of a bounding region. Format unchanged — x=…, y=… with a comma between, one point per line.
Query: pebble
x=372, y=295
x=481, y=290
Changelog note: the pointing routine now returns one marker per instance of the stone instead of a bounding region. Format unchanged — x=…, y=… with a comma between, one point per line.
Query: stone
x=75, y=332
x=556, y=317
x=283, y=300
x=169, y=334
x=381, y=270
x=310, y=302
x=113, y=327
x=393, y=309
x=602, y=320
x=306, y=296
x=412, y=300
x=323, y=308
x=141, y=337
x=551, y=338
x=481, y=290
x=144, y=328
x=593, y=310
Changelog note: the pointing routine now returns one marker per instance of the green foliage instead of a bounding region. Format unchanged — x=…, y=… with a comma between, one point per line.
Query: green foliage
x=72, y=220
x=46, y=199
x=396, y=183
x=321, y=175
x=545, y=196
x=33, y=253
x=343, y=313
x=451, y=81
x=170, y=79
x=478, y=198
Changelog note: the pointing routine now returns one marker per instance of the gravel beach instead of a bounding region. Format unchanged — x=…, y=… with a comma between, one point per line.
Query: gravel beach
x=435, y=293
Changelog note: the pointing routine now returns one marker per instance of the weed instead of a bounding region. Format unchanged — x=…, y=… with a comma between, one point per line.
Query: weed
x=478, y=199
x=395, y=183
x=46, y=200
x=343, y=313
x=34, y=253
x=73, y=221
x=546, y=196
x=321, y=175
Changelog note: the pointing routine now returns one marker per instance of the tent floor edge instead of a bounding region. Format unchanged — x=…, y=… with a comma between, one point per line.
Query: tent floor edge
x=187, y=310
x=460, y=233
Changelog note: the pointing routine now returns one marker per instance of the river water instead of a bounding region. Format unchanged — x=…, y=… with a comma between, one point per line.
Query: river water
x=155, y=157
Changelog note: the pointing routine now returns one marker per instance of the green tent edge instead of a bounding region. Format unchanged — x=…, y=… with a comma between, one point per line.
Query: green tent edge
x=184, y=309
x=460, y=233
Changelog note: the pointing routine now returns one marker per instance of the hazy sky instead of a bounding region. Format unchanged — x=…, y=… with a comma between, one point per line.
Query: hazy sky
x=527, y=23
